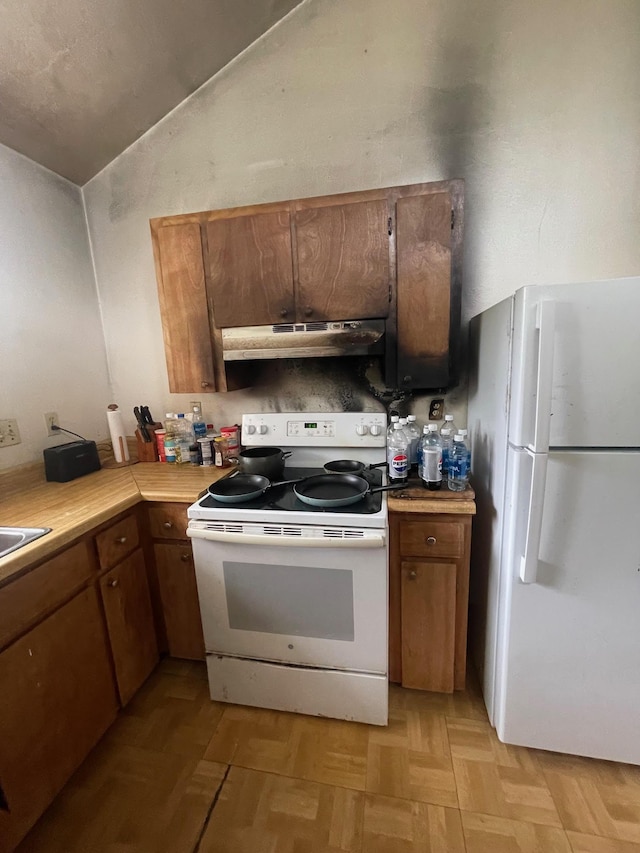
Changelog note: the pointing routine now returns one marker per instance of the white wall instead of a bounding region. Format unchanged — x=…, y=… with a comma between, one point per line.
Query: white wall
x=536, y=105
x=52, y=352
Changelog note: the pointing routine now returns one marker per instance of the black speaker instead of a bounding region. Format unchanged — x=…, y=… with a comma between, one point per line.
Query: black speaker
x=69, y=461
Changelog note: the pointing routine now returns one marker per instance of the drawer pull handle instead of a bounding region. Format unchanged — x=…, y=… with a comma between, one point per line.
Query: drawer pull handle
x=114, y=582
x=431, y=540
x=121, y=540
x=167, y=525
x=413, y=575
x=185, y=558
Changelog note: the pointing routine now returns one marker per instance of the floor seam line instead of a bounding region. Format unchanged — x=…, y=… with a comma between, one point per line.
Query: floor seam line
x=210, y=811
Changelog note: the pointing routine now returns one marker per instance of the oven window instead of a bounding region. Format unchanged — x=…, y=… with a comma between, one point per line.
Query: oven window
x=301, y=601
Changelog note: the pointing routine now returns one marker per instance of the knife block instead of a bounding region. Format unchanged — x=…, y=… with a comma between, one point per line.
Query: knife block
x=148, y=450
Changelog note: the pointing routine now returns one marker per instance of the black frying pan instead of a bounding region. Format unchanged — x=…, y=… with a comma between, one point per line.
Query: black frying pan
x=349, y=466
x=241, y=488
x=336, y=490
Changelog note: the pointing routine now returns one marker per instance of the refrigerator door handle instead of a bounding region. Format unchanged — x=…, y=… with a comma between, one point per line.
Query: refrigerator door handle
x=533, y=533
x=545, y=324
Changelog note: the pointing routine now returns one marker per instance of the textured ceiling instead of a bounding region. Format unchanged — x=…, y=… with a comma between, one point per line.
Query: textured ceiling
x=80, y=80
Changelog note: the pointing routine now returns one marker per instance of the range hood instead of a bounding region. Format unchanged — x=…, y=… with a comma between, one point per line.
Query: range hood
x=303, y=340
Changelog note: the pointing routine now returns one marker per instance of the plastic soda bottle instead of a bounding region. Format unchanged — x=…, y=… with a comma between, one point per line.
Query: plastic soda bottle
x=397, y=455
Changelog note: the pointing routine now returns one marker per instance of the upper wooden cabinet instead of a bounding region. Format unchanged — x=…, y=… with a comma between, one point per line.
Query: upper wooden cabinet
x=427, y=291
x=183, y=306
x=343, y=261
x=392, y=254
x=250, y=269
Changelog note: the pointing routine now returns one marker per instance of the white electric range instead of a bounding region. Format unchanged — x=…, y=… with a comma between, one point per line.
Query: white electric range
x=293, y=598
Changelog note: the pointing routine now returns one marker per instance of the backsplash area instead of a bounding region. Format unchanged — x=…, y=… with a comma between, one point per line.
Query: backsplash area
x=323, y=385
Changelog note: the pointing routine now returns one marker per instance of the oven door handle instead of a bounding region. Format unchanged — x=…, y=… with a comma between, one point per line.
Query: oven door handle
x=376, y=540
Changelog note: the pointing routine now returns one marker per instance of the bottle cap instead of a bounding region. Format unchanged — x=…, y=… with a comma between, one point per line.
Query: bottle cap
x=464, y=432
x=448, y=417
x=397, y=426
x=425, y=429
x=181, y=415
x=411, y=418
x=458, y=437
x=403, y=421
x=433, y=427
x=395, y=419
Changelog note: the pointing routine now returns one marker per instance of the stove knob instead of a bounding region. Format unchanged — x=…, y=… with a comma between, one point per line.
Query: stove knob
x=263, y=429
x=362, y=429
x=375, y=429
x=250, y=429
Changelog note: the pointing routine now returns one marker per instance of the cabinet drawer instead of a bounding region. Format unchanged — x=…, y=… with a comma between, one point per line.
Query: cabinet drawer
x=168, y=521
x=431, y=539
x=117, y=541
x=25, y=601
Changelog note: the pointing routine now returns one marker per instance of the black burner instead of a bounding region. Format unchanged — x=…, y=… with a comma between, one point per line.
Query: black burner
x=284, y=498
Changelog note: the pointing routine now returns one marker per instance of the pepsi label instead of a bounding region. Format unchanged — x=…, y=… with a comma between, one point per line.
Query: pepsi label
x=399, y=465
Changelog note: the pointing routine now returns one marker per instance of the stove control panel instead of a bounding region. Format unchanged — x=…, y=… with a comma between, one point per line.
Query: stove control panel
x=311, y=429
x=315, y=429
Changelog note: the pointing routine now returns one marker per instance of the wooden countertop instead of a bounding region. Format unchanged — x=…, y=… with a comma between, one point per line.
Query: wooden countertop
x=72, y=509
x=415, y=498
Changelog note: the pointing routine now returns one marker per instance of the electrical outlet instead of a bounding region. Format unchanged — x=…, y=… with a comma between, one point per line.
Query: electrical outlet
x=50, y=419
x=195, y=403
x=9, y=433
x=436, y=409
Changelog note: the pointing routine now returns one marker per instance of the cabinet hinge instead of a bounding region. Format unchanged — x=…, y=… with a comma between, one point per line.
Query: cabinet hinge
x=390, y=226
x=453, y=218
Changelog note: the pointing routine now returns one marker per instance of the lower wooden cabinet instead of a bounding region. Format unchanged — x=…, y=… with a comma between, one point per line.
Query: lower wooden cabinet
x=129, y=615
x=428, y=629
x=428, y=597
x=57, y=699
x=179, y=595
x=176, y=580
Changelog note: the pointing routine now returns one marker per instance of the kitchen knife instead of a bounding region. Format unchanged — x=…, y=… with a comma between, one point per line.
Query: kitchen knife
x=146, y=414
x=144, y=432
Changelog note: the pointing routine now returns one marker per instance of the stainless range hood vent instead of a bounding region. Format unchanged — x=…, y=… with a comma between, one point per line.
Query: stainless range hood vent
x=303, y=340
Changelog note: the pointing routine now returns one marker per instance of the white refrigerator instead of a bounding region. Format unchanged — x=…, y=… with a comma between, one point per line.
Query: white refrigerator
x=554, y=419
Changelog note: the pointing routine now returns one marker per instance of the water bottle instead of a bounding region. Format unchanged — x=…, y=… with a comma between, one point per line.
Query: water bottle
x=446, y=440
x=414, y=440
x=432, y=459
x=392, y=420
x=465, y=433
x=198, y=423
x=397, y=458
x=425, y=432
x=458, y=465
x=183, y=439
x=449, y=424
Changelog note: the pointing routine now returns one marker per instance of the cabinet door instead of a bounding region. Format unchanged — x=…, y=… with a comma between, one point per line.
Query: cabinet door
x=127, y=607
x=57, y=699
x=343, y=261
x=251, y=269
x=183, y=307
x=424, y=299
x=179, y=595
x=428, y=602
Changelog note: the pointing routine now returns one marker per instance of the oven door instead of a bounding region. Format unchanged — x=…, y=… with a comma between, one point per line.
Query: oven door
x=302, y=595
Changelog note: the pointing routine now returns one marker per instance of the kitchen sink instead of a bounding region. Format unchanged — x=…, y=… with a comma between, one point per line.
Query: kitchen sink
x=12, y=538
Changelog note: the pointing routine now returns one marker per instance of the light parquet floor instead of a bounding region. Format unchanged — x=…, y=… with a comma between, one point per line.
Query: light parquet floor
x=178, y=773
